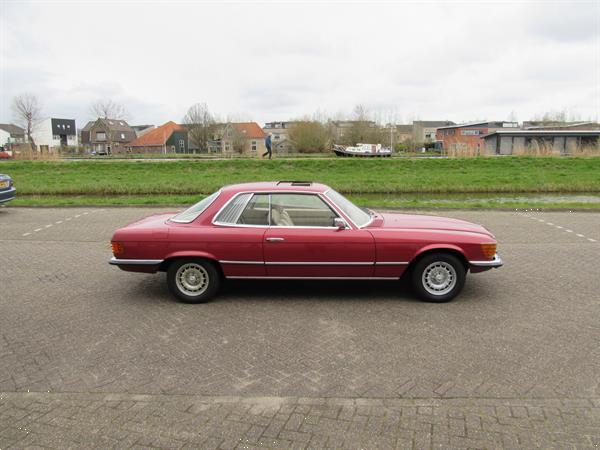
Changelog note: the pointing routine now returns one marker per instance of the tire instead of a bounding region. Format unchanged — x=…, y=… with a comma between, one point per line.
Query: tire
x=438, y=277
x=193, y=280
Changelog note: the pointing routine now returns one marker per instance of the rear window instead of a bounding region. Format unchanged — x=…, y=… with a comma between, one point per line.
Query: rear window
x=190, y=214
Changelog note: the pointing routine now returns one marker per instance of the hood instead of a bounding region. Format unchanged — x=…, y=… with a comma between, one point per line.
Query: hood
x=419, y=222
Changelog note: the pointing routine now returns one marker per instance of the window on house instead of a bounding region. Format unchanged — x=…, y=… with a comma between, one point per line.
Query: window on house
x=181, y=144
x=56, y=137
x=122, y=135
x=276, y=137
x=253, y=146
x=100, y=136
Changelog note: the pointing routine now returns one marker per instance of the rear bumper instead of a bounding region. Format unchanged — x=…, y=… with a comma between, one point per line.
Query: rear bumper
x=496, y=262
x=6, y=196
x=134, y=262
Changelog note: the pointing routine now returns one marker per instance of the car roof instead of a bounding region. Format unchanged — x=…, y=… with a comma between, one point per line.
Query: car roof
x=273, y=186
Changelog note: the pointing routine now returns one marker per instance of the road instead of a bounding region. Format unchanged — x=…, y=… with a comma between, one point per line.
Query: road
x=91, y=356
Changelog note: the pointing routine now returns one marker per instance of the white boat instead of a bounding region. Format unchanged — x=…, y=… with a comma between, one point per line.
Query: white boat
x=364, y=150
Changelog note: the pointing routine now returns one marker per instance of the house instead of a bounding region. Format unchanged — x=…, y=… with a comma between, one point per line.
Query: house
x=242, y=137
x=11, y=135
x=282, y=146
x=53, y=133
x=509, y=142
x=140, y=130
x=341, y=129
x=466, y=137
x=107, y=136
x=541, y=125
x=168, y=138
x=423, y=131
x=279, y=130
x=396, y=133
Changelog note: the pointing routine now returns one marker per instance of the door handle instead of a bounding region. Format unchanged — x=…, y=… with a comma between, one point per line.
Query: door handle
x=275, y=239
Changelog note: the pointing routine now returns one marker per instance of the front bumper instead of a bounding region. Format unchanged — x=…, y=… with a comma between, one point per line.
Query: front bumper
x=496, y=262
x=8, y=195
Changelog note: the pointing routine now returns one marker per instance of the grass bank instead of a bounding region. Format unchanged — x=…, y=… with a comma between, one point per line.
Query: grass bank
x=391, y=201
x=348, y=175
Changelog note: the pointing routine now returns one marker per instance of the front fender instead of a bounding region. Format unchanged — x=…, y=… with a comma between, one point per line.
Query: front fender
x=432, y=247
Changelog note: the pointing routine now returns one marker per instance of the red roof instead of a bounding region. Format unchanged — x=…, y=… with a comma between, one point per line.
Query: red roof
x=250, y=129
x=158, y=136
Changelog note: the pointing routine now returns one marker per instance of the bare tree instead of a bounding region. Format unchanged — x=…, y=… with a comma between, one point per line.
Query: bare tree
x=201, y=125
x=309, y=136
x=108, y=109
x=26, y=111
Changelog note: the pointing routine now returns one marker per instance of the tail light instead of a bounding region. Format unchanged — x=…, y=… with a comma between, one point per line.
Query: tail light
x=117, y=248
x=489, y=250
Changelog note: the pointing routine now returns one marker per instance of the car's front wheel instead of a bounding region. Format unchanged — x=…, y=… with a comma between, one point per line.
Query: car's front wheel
x=438, y=277
x=193, y=280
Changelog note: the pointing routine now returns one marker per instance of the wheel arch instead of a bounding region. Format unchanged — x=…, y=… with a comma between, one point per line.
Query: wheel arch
x=437, y=248
x=164, y=266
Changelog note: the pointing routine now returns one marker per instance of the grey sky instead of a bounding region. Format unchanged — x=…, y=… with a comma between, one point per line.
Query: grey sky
x=281, y=60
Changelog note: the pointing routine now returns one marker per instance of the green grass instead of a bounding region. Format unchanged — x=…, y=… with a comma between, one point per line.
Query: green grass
x=179, y=179
x=373, y=201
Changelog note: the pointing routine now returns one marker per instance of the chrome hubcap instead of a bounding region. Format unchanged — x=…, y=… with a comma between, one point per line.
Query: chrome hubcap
x=439, y=278
x=192, y=279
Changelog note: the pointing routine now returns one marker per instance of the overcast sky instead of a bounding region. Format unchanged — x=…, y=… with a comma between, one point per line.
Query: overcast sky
x=268, y=61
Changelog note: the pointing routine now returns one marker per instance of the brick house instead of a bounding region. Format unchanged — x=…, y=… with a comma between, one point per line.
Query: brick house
x=168, y=138
x=107, y=136
x=242, y=137
x=466, y=137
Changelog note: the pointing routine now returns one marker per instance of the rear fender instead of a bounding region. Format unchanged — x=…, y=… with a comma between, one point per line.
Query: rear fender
x=186, y=254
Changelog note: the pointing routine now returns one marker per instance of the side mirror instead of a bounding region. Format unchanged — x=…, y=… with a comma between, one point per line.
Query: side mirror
x=340, y=223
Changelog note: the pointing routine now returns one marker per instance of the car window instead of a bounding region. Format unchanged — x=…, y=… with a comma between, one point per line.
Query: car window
x=233, y=209
x=256, y=211
x=300, y=210
x=357, y=215
x=190, y=214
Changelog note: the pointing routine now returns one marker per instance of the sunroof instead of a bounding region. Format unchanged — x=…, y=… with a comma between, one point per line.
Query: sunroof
x=296, y=183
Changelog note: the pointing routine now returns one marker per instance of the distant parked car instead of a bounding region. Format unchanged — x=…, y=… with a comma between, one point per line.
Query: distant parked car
x=7, y=190
x=5, y=154
x=301, y=230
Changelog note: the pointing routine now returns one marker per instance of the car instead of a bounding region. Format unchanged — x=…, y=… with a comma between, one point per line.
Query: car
x=301, y=230
x=7, y=190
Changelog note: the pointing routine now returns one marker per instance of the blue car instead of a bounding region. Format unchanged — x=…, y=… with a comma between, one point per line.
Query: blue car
x=7, y=190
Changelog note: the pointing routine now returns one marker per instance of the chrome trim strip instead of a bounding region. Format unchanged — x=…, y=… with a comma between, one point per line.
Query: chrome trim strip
x=134, y=262
x=392, y=263
x=8, y=199
x=318, y=263
x=314, y=278
x=222, y=261
x=496, y=262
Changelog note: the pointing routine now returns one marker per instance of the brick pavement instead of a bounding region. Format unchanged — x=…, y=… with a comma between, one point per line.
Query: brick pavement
x=512, y=363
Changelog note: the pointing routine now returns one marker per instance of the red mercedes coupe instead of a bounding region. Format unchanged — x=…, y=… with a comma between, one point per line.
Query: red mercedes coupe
x=301, y=230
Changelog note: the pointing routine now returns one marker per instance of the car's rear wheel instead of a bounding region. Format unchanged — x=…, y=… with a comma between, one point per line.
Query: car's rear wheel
x=193, y=280
x=438, y=277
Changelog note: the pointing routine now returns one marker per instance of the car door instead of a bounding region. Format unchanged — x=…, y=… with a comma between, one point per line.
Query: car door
x=239, y=235
x=301, y=241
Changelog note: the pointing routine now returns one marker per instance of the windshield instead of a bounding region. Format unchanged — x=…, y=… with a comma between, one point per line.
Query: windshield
x=190, y=214
x=357, y=215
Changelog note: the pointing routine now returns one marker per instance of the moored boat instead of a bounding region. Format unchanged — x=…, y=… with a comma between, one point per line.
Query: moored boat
x=363, y=150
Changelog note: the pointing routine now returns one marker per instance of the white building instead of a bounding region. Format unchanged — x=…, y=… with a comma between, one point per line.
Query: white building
x=11, y=135
x=52, y=133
